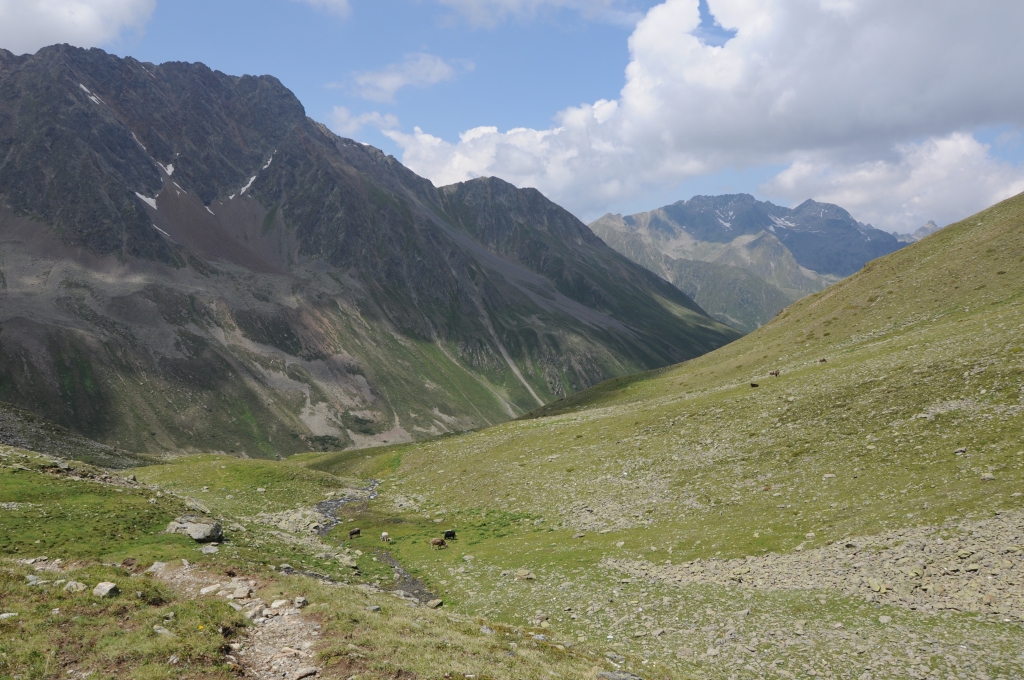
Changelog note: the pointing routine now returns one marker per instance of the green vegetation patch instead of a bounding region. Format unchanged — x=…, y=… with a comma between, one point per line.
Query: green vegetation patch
x=56, y=632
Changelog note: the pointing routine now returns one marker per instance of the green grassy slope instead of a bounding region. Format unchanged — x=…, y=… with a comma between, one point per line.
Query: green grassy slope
x=925, y=355
x=924, y=350
x=106, y=527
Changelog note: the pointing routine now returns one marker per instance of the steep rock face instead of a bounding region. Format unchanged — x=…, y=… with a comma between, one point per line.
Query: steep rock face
x=188, y=262
x=527, y=228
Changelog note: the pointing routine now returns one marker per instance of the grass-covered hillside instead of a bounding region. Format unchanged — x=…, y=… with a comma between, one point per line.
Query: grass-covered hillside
x=910, y=431
x=67, y=527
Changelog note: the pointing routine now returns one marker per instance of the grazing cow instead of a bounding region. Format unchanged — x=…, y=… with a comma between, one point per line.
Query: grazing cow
x=754, y=385
x=823, y=360
x=449, y=535
x=354, y=533
x=384, y=537
x=438, y=543
x=774, y=374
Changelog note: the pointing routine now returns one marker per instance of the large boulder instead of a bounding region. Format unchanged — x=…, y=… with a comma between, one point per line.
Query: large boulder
x=197, y=528
x=106, y=589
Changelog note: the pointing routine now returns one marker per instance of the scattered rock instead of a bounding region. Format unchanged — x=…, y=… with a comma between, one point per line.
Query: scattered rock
x=434, y=604
x=8, y=615
x=618, y=675
x=160, y=630
x=373, y=608
x=74, y=587
x=579, y=535
x=242, y=593
x=277, y=604
x=195, y=505
x=306, y=672
x=300, y=521
x=988, y=477
x=486, y=630
x=210, y=550
x=300, y=602
x=106, y=589
x=885, y=619
x=197, y=528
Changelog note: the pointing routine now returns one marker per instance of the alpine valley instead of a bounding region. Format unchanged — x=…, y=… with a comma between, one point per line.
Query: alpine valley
x=189, y=263
x=276, y=335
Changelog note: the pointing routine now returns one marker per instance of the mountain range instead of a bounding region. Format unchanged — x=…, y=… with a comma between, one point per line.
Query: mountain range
x=188, y=262
x=927, y=229
x=742, y=259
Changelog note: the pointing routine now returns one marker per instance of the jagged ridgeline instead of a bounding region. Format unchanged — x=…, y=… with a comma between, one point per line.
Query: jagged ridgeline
x=744, y=260
x=188, y=262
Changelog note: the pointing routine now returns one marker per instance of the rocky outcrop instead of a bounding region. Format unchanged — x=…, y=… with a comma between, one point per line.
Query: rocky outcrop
x=198, y=528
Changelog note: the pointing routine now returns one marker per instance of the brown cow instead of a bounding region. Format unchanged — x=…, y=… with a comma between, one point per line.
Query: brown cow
x=438, y=543
x=823, y=360
x=774, y=374
x=354, y=533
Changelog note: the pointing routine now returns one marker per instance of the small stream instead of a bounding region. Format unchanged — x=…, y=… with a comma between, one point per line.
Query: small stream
x=405, y=585
x=330, y=507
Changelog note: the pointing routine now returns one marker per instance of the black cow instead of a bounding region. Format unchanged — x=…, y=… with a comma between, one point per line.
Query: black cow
x=449, y=535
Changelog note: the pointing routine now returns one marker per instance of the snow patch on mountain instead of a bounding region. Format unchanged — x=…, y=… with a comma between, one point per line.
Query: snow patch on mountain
x=151, y=202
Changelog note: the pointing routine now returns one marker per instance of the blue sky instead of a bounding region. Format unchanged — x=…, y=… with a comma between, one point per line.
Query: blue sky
x=900, y=112
x=516, y=74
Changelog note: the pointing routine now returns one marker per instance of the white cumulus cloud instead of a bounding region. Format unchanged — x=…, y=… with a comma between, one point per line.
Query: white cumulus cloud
x=942, y=179
x=27, y=25
x=416, y=70
x=839, y=84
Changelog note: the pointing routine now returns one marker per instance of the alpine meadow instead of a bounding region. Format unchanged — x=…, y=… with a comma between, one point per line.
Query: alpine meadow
x=285, y=399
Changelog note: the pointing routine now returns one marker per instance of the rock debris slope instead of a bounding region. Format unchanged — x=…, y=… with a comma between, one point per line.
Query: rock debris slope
x=190, y=263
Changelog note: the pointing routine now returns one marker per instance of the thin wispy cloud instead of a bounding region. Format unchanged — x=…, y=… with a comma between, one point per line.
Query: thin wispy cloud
x=416, y=70
x=339, y=7
x=347, y=124
x=488, y=13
